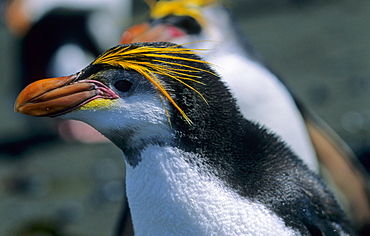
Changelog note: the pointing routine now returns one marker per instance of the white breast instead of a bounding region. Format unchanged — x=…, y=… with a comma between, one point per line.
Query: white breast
x=168, y=196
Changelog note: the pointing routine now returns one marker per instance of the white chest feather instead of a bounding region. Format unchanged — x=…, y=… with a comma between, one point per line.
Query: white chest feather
x=168, y=196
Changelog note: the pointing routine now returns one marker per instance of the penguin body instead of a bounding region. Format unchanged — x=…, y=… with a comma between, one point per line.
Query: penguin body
x=195, y=165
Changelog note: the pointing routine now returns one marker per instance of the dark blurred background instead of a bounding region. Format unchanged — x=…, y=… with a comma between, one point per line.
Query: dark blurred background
x=321, y=48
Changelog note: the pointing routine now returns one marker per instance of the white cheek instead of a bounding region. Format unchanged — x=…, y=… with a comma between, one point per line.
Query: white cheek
x=131, y=112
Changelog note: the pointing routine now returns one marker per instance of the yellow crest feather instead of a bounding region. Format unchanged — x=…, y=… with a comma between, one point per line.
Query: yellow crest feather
x=145, y=59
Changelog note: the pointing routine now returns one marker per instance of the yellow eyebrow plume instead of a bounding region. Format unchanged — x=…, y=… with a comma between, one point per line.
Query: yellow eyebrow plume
x=191, y=8
x=150, y=61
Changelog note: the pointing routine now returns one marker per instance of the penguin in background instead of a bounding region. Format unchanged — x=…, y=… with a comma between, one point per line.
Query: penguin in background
x=45, y=27
x=260, y=93
x=59, y=37
x=195, y=165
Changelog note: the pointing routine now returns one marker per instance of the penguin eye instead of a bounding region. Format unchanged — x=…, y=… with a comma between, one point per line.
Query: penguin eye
x=123, y=85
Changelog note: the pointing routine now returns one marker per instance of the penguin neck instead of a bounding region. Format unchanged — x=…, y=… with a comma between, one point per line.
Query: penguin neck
x=168, y=195
x=228, y=144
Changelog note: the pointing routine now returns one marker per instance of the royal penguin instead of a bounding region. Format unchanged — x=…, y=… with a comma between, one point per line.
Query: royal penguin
x=195, y=164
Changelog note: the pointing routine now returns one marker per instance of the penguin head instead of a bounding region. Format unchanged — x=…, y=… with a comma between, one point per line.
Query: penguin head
x=178, y=21
x=136, y=92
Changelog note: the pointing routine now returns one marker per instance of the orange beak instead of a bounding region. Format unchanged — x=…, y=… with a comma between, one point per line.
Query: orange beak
x=57, y=96
x=145, y=33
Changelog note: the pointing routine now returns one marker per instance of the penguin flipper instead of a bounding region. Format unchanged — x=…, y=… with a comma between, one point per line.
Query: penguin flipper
x=343, y=170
